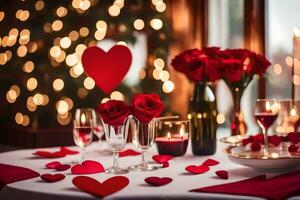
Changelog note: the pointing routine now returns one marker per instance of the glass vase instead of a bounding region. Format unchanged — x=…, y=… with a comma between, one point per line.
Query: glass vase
x=237, y=125
x=202, y=114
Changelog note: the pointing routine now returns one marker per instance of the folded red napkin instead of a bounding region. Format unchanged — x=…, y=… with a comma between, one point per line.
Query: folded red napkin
x=11, y=174
x=276, y=188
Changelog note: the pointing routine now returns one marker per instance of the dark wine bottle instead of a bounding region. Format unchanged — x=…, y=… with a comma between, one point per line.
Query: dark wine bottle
x=202, y=114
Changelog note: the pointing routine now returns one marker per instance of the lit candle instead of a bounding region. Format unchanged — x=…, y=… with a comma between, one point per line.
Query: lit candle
x=82, y=119
x=169, y=136
x=181, y=132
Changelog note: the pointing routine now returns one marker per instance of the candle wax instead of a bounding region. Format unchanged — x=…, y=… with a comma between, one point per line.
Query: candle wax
x=175, y=146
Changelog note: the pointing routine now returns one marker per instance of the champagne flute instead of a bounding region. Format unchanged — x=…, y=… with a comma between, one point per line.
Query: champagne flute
x=266, y=112
x=98, y=126
x=83, y=130
x=116, y=137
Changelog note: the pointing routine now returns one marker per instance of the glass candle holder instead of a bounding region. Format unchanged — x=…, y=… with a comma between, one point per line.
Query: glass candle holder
x=172, y=136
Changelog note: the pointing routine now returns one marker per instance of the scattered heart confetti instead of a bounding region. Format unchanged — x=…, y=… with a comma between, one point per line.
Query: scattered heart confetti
x=50, y=178
x=52, y=165
x=222, y=174
x=165, y=164
x=107, y=68
x=48, y=154
x=194, y=169
x=92, y=186
x=293, y=148
x=162, y=158
x=255, y=146
x=275, y=140
x=156, y=181
x=129, y=152
x=87, y=167
x=62, y=167
x=68, y=151
x=210, y=162
x=294, y=137
x=257, y=138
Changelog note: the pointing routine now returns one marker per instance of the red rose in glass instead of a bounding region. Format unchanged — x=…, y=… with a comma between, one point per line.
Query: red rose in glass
x=145, y=107
x=233, y=69
x=192, y=63
x=114, y=112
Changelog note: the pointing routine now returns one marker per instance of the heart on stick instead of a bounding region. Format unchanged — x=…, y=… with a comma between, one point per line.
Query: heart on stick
x=157, y=181
x=107, y=68
x=87, y=167
x=94, y=187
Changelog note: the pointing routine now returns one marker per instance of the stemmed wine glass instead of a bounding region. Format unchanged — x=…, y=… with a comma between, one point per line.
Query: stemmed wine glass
x=116, y=137
x=98, y=126
x=266, y=112
x=83, y=130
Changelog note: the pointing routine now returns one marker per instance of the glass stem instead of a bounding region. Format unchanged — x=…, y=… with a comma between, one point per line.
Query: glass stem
x=82, y=154
x=116, y=160
x=144, y=159
x=266, y=148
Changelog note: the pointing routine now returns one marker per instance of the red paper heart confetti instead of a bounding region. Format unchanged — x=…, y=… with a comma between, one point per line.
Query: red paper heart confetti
x=107, y=68
x=294, y=137
x=162, y=158
x=165, y=164
x=255, y=146
x=156, y=181
x=275, y=140
x=92, y=186
x=48, y=154
x=129, y=152
x=87, y=167
x=210, y=162
x=222, y=174
x=62, y=167
x=194, y=169
x=50, y=178
x=68, y=151
x=293, y=148
x=52, y=165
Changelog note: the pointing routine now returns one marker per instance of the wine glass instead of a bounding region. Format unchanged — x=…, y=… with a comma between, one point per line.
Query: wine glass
x=83, y=130
x=266, y=112
x=98, y=126
x=116, y=137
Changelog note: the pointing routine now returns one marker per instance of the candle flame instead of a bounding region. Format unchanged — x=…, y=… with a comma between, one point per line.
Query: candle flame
x=169, y=135
x=293, y=112
x=268, y=106
x=83, y=119
x=181, y=131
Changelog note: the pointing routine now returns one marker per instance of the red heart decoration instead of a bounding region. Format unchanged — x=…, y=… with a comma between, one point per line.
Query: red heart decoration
x=48, y=154
x=98, y=189
x=293, y=148
x=294, y=137
x=62, y=167
x=222, y=174
x=255, y=146
x=52, y=165
x=129, y=152
x=165, y=164
x=210, y=162
x=107, y=68
x=156, y=181
x=275, y=140
x=87, y=167
x=68, y=151
x=194, y=169
x=50, y=178
x=162, y=158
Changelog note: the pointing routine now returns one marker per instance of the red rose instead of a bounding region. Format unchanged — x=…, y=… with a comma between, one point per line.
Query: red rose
x=213, y=53
x=214, y=70
x=233, y=69
x=240, y=54
x=113, y=112
x=192, y=63
x=145, y=107
x=258, y=64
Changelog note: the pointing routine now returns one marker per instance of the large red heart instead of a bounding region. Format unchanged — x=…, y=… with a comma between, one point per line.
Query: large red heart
x=162, y=158
x=194, y=169
x=98, y=189
x=156, y=181
x=107, y=68
x=50, y=178
x=87, y=167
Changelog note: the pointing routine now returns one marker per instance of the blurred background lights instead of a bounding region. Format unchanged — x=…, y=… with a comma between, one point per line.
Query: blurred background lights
x=116, y=95
x=31, y=84
x=89, y=83
x=277, y=69
x=113, y=10
x=65, y=42
x=220, y=118
x=58, y=84
x=159, y=63
x=57, y=25
x=168, y=86
x=62, y=107
x=156, y=24
x=138, y=24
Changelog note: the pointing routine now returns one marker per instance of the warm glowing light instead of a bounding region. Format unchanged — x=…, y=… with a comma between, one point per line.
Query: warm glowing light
x=45, y=100
x=89, y=83
x=2, y=15
x=82, y=93
x=69, y=102
x=32, y=47
x=159, y=63
x=16, y=89
x=289, y=61
x=116, y=95
x=28, y=67
x=169, y=135
x=142, y=74
x=3, y=58
x=12, y=94
x=84, y=31
x=138, y=24
x=154, y=2
x=57, y=25
x=84, y=4
x=24, y=15
x=83, y=119
x=61, y=56
x=296, y=79
x=26, y=120
x=76, y=3
x=58, y=84
x=164, y=76
x=80, y=48
x=38, y=99
x=113, y=11
x=65, y=42
x=71, y=60
x=78, y=69
x=55, y=51
x=19, y=118
x=160, y=6
x=157, y=74
x=293, y=112
x=22, y=51
x=156, y=24
x=277, y=69
x=62, y=107
x=47, y=27
x=31, y=84
x=73, y=35
x=39, y=5
x=122, y=43
x=168, y=86
x=101, y=25
x=61, y=11
x=99, y=35
x=181, y=131
x=104, y=100
x=220, y=118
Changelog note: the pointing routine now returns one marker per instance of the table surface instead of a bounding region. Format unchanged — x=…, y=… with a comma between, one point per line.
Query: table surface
x=137, y=189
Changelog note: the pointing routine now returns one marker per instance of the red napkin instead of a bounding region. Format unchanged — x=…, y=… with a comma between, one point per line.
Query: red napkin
x=276, y=188
x=11, y=174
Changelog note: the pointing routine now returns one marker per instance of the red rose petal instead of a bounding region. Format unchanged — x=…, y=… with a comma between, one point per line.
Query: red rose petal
x=222, y=174
x=87, y=167
x=197, y=169
x=259, y=138
x=52, y=165
x=162, y=158
x=255, y=146
x=50, y=178
x=156, y=181
x=210, y=162
x=165, y=164
x=62, y=167
x=129, y=152
x=246, y=141
x=275, y=140
x=68, y=151
x=48, y=154
x=294, y=137
x=293, y=148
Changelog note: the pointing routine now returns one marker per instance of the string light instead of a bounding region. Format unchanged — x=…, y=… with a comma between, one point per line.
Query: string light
x=57, y=25
x=22, y=51
x=2, y=15
x=156, y=24
x=65, y=42
x=84, y=4
x=159, y=63
x=116, y=95
x=38, y=99
x=58, y=84
x=55, y=51
x=73, y=35
x=31, y=84
x=3, y=58
x=168, y=86
x=89, y=83
x=71, y=60
x=113, y=10
x=82, y=93
x=160, y=6
x=39, y=5
x=62, y=107
x=28, y=67
x=61, y=11
x=138, y=24
x=84, y=31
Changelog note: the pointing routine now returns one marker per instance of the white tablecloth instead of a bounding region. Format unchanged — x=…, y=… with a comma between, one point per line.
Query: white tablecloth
x=137, y=188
